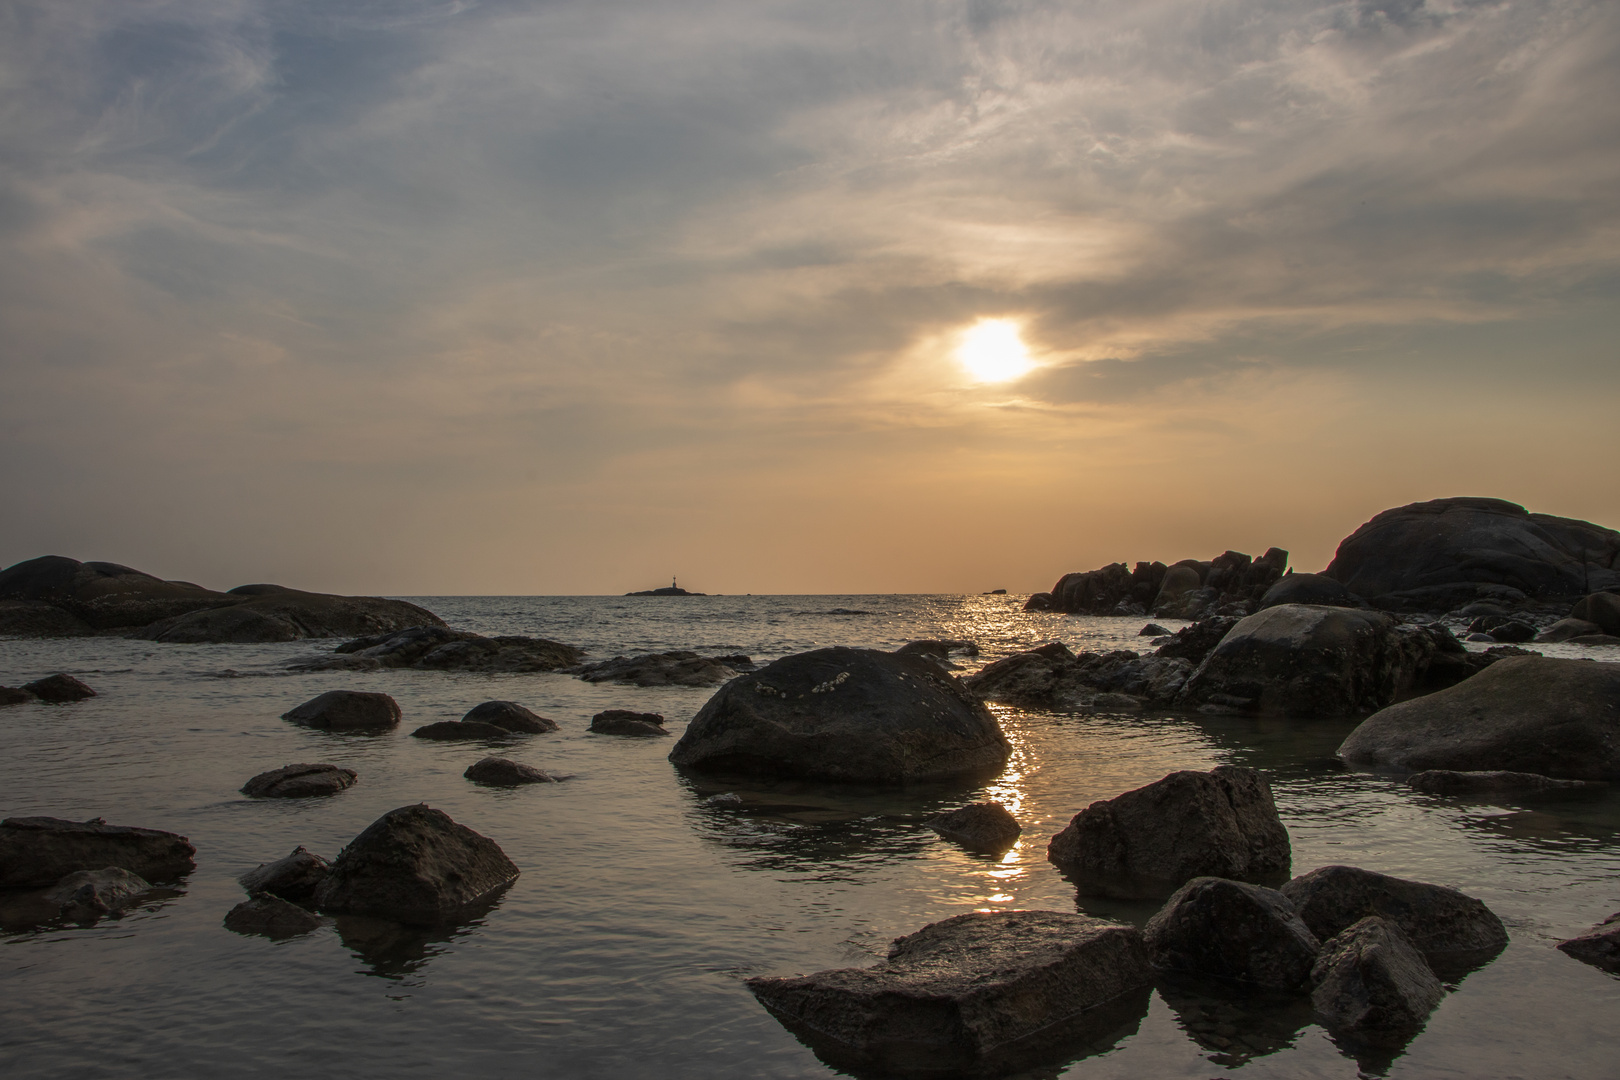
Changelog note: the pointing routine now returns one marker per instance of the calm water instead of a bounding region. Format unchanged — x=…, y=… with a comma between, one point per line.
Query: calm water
x=622, y=948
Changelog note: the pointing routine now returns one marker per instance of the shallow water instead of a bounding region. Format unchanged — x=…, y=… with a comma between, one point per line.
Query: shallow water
x=622, y=947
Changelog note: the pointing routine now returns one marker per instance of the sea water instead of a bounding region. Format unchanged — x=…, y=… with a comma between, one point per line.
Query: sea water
x=622, y=949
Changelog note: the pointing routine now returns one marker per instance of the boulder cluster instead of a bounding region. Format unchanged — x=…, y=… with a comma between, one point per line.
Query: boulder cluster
x=1189, y=589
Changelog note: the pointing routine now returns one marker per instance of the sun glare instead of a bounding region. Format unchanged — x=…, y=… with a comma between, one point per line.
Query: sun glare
x=992, y=351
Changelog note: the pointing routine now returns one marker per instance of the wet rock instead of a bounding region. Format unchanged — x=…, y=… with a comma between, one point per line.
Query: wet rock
x=657, y=669
x=1599, y=946
x=1522, y=714
x=1033, y=677
x=1451, y=782
x=274, y=613
x=1566, y=629
x=1479, y=635
x=845, y=714
x=1371, y=982
x=509, y=715
x=437, y=648
x=1041, y=601
x=39, y=851
x=1150, y=841
x=414, y=865
x=296, y=877
x=983, y=826
x=1450, y=929
x=1512, y=632
x=1602, y=608
x=451, y=730
x=503, y=772
x=1234, y=930
x=87, y=895
x=626, y=722
x=1197, y=641
x=14, y=695
x=1179, y=581
x=32, y=619
x=975, y=994
x=1152, y=630
x=347, y=710
x=1595, y=639
x=939, y=649
x=1317, y=589
x=270, y=916
x=59, y=689
x=299, y=781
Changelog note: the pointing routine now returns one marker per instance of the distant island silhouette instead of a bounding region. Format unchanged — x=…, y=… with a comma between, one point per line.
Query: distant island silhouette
x=672, y=589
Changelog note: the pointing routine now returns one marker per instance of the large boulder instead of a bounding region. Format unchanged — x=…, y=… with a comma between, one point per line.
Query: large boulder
x=983, y=826
x=509, y=715
x=299, y=782
x=460, y=730
x=504, y=772
x=1051, y=677
x=1441, y=554
x=1536, y=714
x=297, y=877
x=976, y=994
x=414, y=865
x=1187, y=589
x=437, y=648
x=271, y=917
x=1372, y=983
x=58, y=689
x=845, y=714
x=1150, y=841
x=273, y=613
x=87, y=895
x=102, y=595
x=1567, y=630
x=680, y=668
x=1449, y=928
x=1232, y=930
x=1310, y=589
x=347, y=710
x=1602, y=608
x=40, y=851
x=37, y=619
x=1309, y=660
x=1599, y=946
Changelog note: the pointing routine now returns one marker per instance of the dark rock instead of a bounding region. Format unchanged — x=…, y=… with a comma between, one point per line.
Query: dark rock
x=40, y=851
x=87, y=895
x=1031, y=677
x=976, y=994
x=502, y=772
x=436, y=648
x=347, y=710
x=1595, y=639
x=984, y=826
x=1602, y=608
x=1150, y=841
x=289, y=615
x=1179, y=581
x=1371, y=982
x=1041, y=601
x=1308, y=661
x=509, y=715
x=13, y=695
x=1479, y=635
x=626, y=722
x=450, y=730
x=667, y=590
x=657, y=669
x=845, y=714
x=103, y=596
x=1450, y=929
x=414, y=865
x=1447, y=547
x=271, y=917
x=299, y=781
x=1152, y=630
x=1524, y=714
x=1451, y=782
x=297, y=877
x=1599, y=946
x=1234, y=930
x=1317, y=589
x=35, y=619
x=1566, y=629
x=1198, y=640
x=1512, y=632
x=938, y=648
x=59, y=689
x=1052, y=677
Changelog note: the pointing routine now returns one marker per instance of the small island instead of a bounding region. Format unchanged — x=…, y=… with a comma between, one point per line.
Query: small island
x=672, y=589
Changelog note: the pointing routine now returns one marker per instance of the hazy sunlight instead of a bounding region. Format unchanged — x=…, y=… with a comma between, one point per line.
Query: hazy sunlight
x=992, y=351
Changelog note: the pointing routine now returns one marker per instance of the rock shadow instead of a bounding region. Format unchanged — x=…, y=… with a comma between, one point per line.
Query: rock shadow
x=27, y=910
x=1234, y=1023
x=395, y=951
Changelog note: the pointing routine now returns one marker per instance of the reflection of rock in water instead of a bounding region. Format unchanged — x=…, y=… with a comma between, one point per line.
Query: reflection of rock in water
x=1232, y=1023
x=395, y=951
x=22, y=910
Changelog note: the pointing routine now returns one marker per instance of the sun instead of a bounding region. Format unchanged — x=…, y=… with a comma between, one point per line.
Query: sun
x=992, y=351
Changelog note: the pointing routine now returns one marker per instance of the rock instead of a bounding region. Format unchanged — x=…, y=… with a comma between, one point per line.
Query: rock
x=414, y=865
x=657, y=669
x=1198, y=640
x=1316, y=589
x=87, y=895
x=32, y=619
x=845, y=714
x=1310, y=661
x=1150, y=841
x=59, y=689
x=938, y=648
x=1595, y=639
x=279, y=614
x=299, y=781
x=1445, y=550
x=15, y=695
x=1479, y=635
x=347, y=710
x=103, y=596
x=1602, y=608
x=1234, y=930
x=1179, y=580
x=1450, y=929
x=983, y=826
x=1030, y=677
x=1041, y=601
x=1566, y=629
x=40, y=851
x=975, y=994
x=436, y=648
x=1599, y=946
x=1371, y=982
x=449, y=730
x=625, y=722
x=1052, y=677
x=270, y=916
x=297, y=877
x=509, y=715
x=502, y=772
x=1512, y=632
x=1451, y=782
x=1523, y=713
x=1152, y=630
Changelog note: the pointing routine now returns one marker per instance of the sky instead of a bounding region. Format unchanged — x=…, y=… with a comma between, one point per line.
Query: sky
x=432, y=297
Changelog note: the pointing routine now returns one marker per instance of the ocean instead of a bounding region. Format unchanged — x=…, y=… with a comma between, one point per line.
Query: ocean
x=622, y=949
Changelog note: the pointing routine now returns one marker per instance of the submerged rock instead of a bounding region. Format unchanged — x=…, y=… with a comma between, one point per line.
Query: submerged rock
x=1452, y=930
x=296, y=877
x=347, y=710
x=1234, y=930
x=503, y=772
x=271, y=917
x=1451, y=782
x=1599, y=946
x=509, y=715
x=1150, y=841
x=415, y=865
x=625, y=722
x=450, y=730
x=978, y=993
x=845, y=714
x=299, y=781
x=87, y=895
x=1372, y=983
x=983, y=826
x=1522, y=714
x=39, y=851
x=659, y=669
x=438, y=648
x=59, y=689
